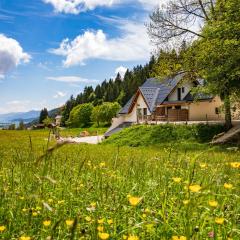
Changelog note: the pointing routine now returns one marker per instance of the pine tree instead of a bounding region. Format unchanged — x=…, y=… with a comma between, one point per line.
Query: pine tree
x=43, y=115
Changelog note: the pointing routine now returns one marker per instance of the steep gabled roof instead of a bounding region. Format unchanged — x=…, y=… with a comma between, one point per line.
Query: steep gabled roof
x=154, y=92
x=125, y=109
x=198, y=96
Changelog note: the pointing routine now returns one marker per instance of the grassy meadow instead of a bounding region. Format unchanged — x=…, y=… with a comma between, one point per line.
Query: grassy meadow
x=167, y=191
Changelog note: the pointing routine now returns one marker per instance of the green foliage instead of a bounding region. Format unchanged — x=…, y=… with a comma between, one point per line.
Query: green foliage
x=105, y=112
x=146, y=135
x=47, y=121
x=43, y=115
x=80, y=116
x=21, y=126
x=12, y=127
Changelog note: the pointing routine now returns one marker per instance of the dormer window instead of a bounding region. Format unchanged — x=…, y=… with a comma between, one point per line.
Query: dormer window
x=183, y=89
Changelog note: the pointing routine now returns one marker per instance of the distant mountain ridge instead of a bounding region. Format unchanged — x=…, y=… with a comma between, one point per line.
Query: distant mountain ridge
x=26, y=117
x=19, y=116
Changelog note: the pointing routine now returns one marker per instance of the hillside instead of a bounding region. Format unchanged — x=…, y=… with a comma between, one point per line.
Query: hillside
x=146, y=135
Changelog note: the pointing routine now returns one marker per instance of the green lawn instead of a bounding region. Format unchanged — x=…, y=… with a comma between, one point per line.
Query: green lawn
x=109, y=192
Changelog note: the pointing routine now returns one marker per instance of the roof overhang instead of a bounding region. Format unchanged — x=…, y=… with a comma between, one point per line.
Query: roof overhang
x=138, y=93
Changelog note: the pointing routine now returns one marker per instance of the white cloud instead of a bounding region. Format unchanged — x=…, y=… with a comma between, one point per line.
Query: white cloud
x=59, y=94
x=77, y=6
x=150, y=4
x=122, y=70
x=132, y=45
x=11, y=55
x=71, y=79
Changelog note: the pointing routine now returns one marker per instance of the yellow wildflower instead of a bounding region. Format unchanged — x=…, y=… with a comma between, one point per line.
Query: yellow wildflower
x=21, y=198
x=177, y=179
x=134, y=201
x=195, y=188
x=69, y=222
x=179, y=238
x=100, y=228
x=186, y=202
x=101, y=221
x=228, y=185
x=88, y=219
x=110, y=221
x=147, y=210
x=203, y=165
x=213, y=203
x=235, y=164
x=2, y=229
x=24, y=238
x=47, y=223
x=61, y=202
x=102, y=164
x=219, y=220
x=50, y=200
x=24, y=209
x=103, y=236
x=132, y=237
x=34, y=214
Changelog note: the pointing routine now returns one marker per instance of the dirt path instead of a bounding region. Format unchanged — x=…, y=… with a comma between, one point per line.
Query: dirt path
x=89, y=140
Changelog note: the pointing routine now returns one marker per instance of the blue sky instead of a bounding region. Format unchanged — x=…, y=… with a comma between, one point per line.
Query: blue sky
x=50, y=49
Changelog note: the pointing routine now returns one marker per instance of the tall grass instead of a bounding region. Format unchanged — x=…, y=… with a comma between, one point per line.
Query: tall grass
x=81, y=191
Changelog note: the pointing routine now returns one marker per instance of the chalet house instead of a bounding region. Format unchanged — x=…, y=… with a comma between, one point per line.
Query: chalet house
x=168, y=101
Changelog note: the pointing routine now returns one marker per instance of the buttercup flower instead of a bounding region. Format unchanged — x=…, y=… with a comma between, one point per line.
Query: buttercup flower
x=134, y=201
x=228, y=185
x=103, y=236
x=186, y=202
x=69, y=222
x=195, y=188
x=88, y=219
x=235, y=164
x=101, y=221
x=47, y=223
x=177, y=179
x=219, y=220
x=213, y=203
x=110, y=221
x=132, y=237
x=2, y=229
x=24, y=238
x=179, y=238
x=100, y=228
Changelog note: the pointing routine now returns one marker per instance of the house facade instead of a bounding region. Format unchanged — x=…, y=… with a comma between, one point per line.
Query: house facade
x=172, y=101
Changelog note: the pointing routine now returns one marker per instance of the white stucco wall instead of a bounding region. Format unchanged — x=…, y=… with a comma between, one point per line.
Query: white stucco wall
x=174, y=95
x=202, y=111
x=132, y=117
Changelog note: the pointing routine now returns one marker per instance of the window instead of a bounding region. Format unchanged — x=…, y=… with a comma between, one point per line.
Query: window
x=177, y=107
x=145, y=111
x=179, y=94
x=183, y=89
x=217, y=110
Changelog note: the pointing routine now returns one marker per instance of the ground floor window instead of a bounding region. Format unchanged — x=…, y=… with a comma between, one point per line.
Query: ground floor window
x=144, y=111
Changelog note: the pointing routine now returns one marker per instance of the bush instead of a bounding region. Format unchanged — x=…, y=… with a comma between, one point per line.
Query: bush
x=80, y=116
